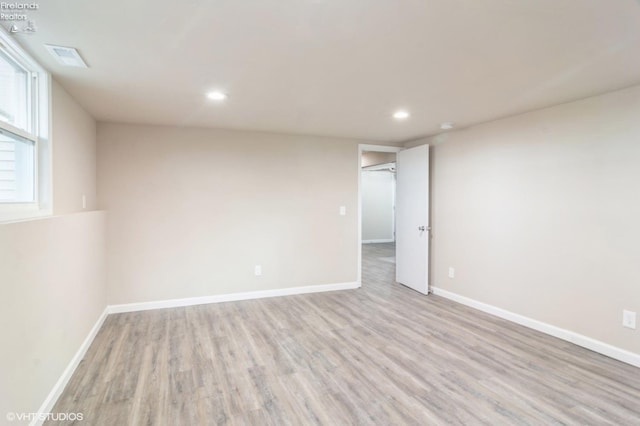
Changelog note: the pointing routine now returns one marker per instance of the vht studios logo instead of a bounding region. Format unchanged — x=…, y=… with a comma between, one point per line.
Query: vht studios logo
x=55, y=417
x=16, y=11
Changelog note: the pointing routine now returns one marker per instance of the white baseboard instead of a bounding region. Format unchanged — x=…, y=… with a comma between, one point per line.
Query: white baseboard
x=55, y=393
x=561, y=333
x=174, y=303
x=389, y=240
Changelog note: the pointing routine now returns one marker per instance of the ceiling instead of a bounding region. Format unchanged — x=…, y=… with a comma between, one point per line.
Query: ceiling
x=337, y=67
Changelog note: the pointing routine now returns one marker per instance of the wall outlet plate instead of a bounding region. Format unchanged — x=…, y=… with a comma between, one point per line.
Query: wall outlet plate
x=257, y=270
x=629, y=319
x=452, y=272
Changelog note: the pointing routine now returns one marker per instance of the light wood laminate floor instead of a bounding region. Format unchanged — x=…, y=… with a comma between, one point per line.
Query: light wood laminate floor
x=382, y=354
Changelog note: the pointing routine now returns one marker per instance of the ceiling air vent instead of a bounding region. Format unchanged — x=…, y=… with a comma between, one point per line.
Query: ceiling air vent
x=67, y=56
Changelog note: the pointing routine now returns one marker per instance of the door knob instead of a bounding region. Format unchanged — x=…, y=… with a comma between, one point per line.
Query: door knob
x=422, y=228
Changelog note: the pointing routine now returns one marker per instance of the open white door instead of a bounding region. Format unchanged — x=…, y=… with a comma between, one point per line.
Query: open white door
x=412, y=218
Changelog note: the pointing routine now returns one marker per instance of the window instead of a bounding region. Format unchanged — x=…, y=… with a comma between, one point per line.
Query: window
x=17, y=169
x=24, y=139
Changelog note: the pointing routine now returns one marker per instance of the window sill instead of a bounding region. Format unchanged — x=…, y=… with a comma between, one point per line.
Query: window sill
x=7, y=217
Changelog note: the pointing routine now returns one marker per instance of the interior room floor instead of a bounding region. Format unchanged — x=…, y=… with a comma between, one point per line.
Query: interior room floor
x=382, y=354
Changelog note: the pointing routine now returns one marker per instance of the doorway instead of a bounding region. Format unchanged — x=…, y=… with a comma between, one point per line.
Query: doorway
x=408, y=246
x=377, y=189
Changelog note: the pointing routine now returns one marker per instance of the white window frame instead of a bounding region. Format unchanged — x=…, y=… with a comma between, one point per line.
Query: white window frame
x=39, y=132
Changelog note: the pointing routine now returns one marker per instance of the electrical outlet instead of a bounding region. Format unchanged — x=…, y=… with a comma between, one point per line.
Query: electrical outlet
x=452, y=272
x=629, y=319
x=257, y=270
x=343, y=210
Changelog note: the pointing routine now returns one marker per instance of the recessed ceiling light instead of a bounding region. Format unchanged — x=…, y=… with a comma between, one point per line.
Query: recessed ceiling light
x=447, y=125
x=216, y=96
x=401, y=115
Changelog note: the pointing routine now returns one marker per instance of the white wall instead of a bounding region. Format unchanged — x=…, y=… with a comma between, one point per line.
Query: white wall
x=191, y=211
x=378, y=199
x=52, y=271
x=53, y=292
x=539, y=214
x=74, y=154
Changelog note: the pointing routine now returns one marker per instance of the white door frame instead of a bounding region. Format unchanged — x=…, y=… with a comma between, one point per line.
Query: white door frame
x=361, y=149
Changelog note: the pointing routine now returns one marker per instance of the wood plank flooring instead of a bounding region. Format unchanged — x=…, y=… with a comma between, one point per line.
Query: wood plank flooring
x=382, y=355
